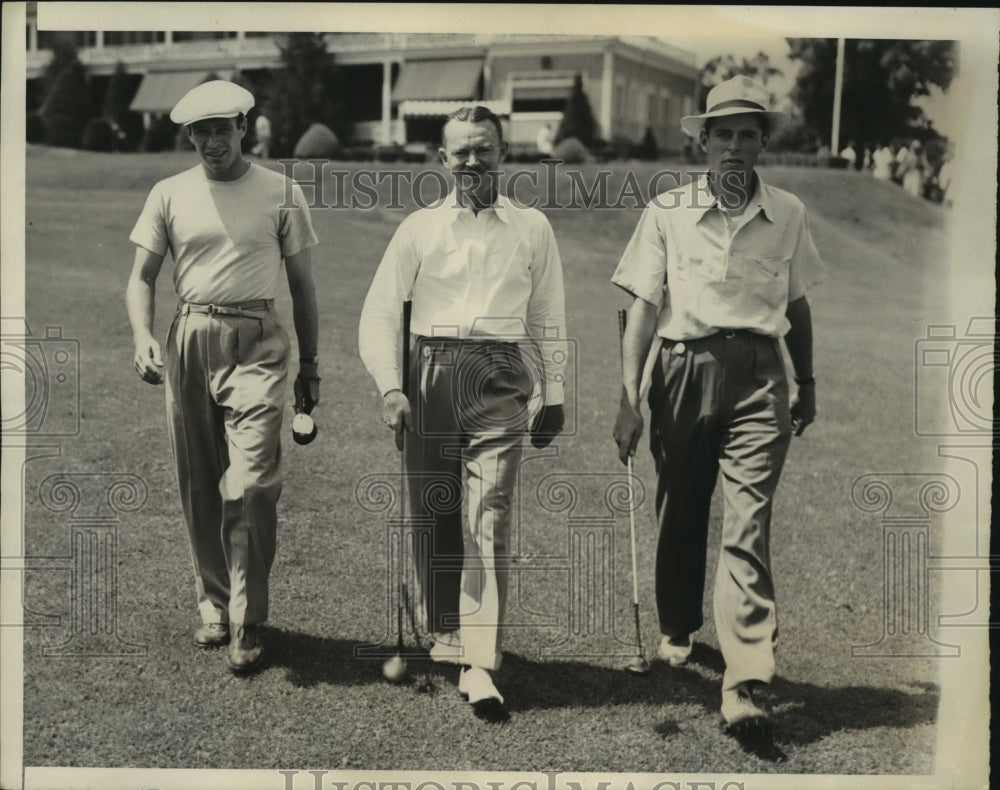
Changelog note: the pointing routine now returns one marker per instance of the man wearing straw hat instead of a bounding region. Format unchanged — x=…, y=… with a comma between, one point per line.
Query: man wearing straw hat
x=718, y=271
x=228, y=225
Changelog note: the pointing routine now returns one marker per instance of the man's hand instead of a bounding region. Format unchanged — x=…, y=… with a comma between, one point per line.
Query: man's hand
x=147, y=360
x=307, y=388
x=548, y=424
x=628, y=429
x=396, y=414
x=803, y=408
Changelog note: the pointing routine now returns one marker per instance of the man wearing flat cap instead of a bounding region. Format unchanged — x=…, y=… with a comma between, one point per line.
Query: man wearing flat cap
x=228, y=225
x=718, y=271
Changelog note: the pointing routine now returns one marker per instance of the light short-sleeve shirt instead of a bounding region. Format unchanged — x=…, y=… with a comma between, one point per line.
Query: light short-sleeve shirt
x=707, y=272
x=495, y=274
x=227, y=238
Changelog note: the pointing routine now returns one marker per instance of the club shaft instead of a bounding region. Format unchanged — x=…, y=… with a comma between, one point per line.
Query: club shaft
x=631, y=531
x=403, y=488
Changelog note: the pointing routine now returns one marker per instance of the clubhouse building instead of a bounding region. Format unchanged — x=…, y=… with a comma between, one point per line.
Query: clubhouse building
x=402, y=85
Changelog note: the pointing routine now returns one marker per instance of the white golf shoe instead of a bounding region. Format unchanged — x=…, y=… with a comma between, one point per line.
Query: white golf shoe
x=476, y=684
x=674, y=654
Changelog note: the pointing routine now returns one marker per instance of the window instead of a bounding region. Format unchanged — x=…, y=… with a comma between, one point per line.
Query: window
x=47, y=39
x=119, y=37
x=546, y=62
x=185, y=35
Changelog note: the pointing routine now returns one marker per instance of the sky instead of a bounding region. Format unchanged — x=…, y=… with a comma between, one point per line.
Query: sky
x=940, y=107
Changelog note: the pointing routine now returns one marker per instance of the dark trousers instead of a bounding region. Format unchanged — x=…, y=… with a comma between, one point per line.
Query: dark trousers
x=719, y=403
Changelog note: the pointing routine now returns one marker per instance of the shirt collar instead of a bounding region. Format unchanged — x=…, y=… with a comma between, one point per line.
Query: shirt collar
x=761, y=198
x=500, y=207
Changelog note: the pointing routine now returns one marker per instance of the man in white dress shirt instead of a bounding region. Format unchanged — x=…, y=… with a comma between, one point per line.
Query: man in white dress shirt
x=485, y=281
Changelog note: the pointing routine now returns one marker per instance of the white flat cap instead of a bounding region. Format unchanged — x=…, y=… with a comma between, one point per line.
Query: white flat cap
x=735, y=96
x=213, y=99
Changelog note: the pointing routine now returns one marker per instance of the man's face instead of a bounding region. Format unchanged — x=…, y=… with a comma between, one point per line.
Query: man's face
x=473, y=153
x=733, y=144
x=217, y=141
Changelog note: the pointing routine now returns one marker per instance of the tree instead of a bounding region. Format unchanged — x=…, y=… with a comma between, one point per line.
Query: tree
x=578, y=117
x=307, y=89
x=724, y=67
x=126, y=124
x=881, y=79
x=66, y=106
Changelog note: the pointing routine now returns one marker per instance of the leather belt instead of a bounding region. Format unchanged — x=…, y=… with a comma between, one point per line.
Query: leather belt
x=238, y=310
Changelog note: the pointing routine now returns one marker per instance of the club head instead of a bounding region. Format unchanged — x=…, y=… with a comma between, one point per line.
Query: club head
x=637, y=666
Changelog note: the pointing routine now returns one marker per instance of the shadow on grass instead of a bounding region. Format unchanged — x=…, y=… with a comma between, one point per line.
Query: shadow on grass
x=312, y=660
x=805, y=713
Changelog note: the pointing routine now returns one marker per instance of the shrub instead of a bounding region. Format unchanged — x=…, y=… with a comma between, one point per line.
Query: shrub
x=160, y=135
x=388, y=153
x=98, y=136
x=571, y=151
x=622, y=147
x=578, y=117
x=317, y=142
x=647, y=149
x=66, y=108
x=34, y=127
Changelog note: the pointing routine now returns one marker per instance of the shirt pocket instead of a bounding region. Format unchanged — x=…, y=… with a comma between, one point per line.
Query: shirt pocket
x=699, y=269
x=766, y=278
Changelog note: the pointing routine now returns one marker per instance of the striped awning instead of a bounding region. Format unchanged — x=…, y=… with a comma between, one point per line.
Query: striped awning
x=410, y=109
x=160, y=91
x=542, y=92
x=431, y=80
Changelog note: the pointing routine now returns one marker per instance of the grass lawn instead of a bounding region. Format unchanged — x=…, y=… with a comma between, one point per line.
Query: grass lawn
x=573, y=708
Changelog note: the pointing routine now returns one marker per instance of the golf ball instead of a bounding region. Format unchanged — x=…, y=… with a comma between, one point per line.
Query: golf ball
x=303, y=428
x=394, y=669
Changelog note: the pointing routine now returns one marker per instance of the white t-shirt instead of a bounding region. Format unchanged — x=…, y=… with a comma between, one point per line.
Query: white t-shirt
x=227, y=238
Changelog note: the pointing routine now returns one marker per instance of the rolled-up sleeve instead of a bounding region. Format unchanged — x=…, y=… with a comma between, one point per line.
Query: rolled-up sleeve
x=546, y=317
x=642, y=269
x=380, y=330
x=296, y=231
x=806, y=269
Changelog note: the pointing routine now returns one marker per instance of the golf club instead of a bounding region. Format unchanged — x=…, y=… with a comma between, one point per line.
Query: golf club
x=394, y=669
x=638, y=665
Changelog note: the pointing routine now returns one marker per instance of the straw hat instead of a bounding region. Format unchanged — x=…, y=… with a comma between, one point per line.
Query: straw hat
x=735, y=96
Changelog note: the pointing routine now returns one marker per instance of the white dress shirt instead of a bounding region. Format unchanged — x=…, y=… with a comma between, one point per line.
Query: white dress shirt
x=491, y=275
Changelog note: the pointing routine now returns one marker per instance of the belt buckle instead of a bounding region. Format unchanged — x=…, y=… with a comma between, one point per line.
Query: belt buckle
x=211, y=309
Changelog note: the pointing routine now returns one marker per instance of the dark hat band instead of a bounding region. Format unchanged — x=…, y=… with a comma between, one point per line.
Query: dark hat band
x=750, y=105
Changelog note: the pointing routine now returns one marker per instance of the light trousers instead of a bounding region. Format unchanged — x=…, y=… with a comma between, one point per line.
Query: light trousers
x=469, y=401
x=719, y=403
x=225, y=394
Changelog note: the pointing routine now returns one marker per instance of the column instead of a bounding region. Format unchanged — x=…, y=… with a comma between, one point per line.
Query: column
x=594, y=601
x=386, y=102
x=95, y=502
x=905, y=552
x=607, y=93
